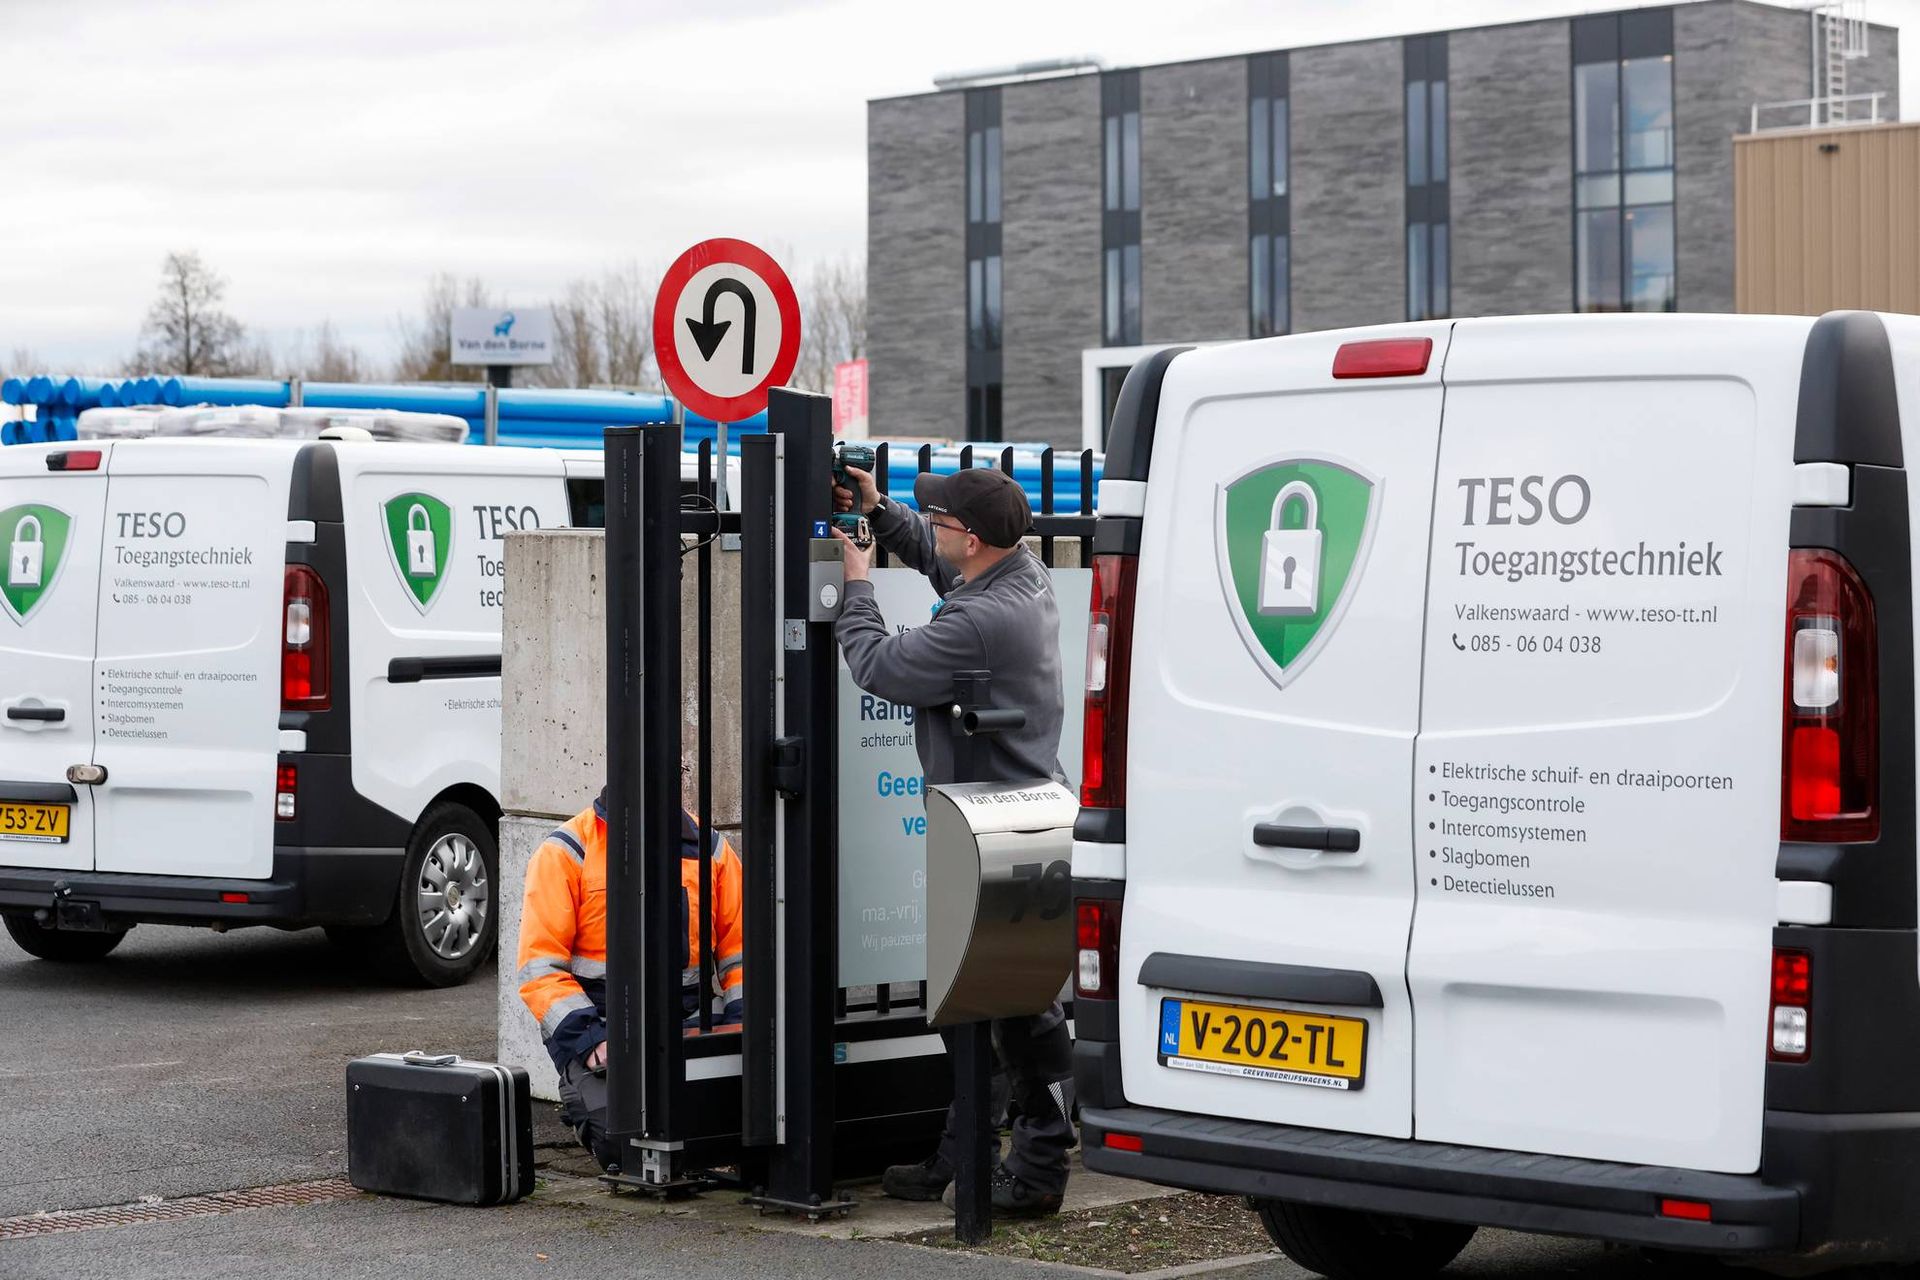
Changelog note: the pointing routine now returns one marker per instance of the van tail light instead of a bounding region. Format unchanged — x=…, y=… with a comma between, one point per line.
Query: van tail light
x=1103, y=780
x=286, y=806
x=1830, y=788
x=74, y=460
x=1383, y=358
x=306, y=650
x=1790, y=1010
x=1686, y=1210
x=1097, y=933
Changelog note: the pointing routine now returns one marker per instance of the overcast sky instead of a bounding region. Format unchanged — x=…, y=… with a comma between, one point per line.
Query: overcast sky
x=327, y=159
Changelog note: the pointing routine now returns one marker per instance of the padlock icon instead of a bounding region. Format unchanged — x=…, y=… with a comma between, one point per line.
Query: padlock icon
x=421, y=560
x=1290, y=558
x=27, y=560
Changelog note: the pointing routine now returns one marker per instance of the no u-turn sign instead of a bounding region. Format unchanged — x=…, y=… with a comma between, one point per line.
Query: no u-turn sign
x=726, y=329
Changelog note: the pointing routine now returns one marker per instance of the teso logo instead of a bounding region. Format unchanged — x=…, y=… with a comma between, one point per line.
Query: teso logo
x=33, y=543
x=1291, y=535
x=420, y=540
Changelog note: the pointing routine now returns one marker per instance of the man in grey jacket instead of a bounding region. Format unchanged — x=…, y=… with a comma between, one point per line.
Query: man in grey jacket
x=997, y=614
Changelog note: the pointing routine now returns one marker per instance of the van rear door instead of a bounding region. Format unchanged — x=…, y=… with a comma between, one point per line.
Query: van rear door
x=1597, y=796
x=1275, y=694
x=190, y=602
x=49, y=569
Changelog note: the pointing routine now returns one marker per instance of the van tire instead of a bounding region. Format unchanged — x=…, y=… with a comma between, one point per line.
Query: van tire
x=1347, y=1244
x=402, y=948
x=64, y=945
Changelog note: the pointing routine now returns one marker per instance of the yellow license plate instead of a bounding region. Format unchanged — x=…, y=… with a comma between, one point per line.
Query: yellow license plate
x=44, y=823
x=1264, y=1044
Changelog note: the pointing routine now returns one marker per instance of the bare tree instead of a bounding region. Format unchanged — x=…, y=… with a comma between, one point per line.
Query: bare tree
x=324, y=357
x=833, y=321
x=424, y=344
x=24, y=362
x=603, y=332
x=186, y=331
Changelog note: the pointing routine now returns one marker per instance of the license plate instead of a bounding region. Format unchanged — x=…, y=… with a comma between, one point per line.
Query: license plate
x=1264, y=1044
x=41, y=823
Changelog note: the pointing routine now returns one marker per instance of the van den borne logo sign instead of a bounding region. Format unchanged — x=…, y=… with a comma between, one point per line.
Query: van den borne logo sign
x=726, y=329
x=33, y=543
x=1292, y=536
x=510, y=335
x=420, y=540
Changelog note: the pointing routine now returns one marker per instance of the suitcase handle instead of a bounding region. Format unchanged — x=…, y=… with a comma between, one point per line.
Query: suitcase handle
x=415, y=1058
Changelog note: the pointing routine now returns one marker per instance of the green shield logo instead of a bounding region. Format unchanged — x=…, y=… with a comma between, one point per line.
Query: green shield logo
x=420, y=539
x=33, y=542
x=1292, y=535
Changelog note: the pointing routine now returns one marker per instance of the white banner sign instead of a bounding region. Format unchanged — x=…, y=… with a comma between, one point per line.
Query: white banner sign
x=883, y=817
x=511, y=335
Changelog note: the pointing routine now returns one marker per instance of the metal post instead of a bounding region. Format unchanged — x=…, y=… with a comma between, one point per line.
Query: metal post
x=490, y=427
x=626, y=1058
x=972, y=1043
x=759, y=687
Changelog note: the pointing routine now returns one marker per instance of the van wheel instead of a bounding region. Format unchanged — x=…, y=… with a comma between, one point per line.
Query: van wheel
x=444, y=916
x=59, y=944
x=1346, y=1244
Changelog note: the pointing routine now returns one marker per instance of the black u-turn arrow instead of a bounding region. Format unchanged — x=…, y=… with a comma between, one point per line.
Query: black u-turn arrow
x=707, y=332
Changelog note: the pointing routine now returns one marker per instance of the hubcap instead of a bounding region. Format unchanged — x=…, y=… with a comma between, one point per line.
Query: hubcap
x=453, y=896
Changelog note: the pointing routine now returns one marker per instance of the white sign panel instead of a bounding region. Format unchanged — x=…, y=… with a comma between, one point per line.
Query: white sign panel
x=883, y=817
x=509, y=335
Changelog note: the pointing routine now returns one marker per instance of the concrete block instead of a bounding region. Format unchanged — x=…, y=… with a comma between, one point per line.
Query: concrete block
x=520, y=1044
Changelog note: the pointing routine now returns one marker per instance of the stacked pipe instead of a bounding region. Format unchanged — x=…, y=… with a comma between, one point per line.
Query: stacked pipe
x=529, y=416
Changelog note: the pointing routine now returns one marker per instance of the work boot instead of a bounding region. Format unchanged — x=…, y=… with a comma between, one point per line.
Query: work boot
x=1012, y=1197
x=923, y=1181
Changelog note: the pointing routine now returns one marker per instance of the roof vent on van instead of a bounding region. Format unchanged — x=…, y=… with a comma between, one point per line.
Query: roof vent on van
x=346, y=433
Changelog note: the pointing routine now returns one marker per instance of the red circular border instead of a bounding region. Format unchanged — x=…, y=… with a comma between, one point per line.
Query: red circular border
x=666, y=353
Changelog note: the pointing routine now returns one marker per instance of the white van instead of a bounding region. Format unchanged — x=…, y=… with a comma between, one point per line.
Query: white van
x=258, y=682
x=1500, y=743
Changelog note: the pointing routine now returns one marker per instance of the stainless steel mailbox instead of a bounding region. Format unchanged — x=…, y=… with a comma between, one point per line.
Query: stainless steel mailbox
x=999, y=898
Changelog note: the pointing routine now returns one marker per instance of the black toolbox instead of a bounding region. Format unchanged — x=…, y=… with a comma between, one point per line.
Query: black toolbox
x=437, y=1127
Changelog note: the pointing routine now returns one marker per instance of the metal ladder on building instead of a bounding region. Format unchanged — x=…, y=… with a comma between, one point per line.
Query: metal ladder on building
x=1843, y=38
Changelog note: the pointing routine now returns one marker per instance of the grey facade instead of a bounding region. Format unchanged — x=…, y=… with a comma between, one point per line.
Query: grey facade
x=1511, y=138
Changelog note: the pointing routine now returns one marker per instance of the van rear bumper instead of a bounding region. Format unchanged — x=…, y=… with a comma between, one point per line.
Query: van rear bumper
x=1515, y=1190
x=307, y=887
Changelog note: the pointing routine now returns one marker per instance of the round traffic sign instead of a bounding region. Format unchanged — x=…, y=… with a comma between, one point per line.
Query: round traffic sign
x=726, y=329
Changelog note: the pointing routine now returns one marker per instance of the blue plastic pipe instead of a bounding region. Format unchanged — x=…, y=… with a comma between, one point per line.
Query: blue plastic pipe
x=218, y=391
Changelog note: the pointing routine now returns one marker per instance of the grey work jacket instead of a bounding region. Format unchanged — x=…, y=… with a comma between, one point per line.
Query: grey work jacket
x=1005, y=622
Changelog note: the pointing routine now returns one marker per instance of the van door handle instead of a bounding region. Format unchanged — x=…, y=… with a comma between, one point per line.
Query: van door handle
x=52, y=715
x=1274, y=835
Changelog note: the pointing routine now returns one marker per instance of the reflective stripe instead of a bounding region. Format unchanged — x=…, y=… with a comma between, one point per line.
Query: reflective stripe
x=574, y=848
x=690, y=977
x=585, y=968
x=539, y=967
x=729, y=960
x=733, y=992
x=557, y=1013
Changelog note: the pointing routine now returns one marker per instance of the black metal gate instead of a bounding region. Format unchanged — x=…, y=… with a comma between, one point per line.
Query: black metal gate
x=820, y=1084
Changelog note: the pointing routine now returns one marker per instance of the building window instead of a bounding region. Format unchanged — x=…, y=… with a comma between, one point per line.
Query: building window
x=1120, y=207
x=983, y=265
x=1269, y=261
x=1623, y=228
x=1429, y=270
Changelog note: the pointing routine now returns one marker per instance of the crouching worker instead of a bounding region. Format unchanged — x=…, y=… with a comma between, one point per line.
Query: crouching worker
x=563, y=956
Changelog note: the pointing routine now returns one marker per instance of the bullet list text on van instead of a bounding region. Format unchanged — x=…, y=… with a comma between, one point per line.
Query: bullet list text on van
x=1527, y=500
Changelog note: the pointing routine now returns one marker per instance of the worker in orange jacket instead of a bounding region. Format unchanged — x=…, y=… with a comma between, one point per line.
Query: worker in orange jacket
x=563, y=955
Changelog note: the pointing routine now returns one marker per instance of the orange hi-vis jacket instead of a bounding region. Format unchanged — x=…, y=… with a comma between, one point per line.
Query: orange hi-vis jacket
x=563, y=932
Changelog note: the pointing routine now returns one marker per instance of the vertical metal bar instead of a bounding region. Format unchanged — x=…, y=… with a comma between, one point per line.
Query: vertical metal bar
x=663, y=942
x=1006, y=460
x=1086, y=504
x=801, y=1170
x=1046, y=502
x=966, y=457
x=490, y=426
x=703, y=762
x=759, y=654
x=626, y=1041
x=882, y=480
x=923, y=463
x=972, y=1044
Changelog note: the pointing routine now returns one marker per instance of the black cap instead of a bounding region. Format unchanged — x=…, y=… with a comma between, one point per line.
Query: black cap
x=991, y=504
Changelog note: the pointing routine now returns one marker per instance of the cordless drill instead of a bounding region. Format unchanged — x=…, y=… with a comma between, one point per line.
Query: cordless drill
x=847, y=454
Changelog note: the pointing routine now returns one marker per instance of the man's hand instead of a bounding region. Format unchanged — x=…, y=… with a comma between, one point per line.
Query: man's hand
x=598, y=1057
x=844, y=500
x=855, y=564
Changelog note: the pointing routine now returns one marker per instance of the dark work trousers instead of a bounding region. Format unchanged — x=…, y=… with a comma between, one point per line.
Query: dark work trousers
x=583, y=1095
x=1037, y=1053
